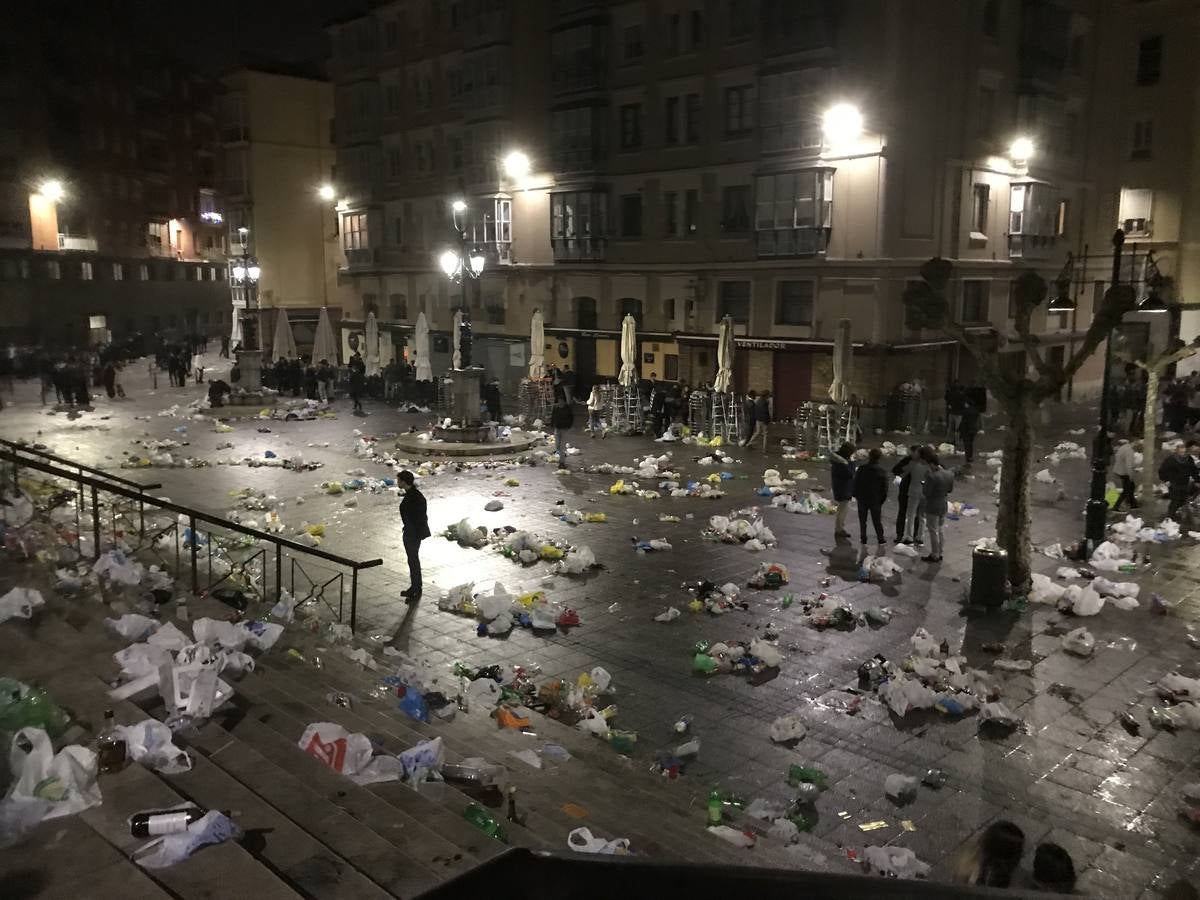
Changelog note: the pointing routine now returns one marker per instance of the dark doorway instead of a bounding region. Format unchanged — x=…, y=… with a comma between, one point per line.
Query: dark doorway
x=585, y=313
x=585, y=365
x=792, y=373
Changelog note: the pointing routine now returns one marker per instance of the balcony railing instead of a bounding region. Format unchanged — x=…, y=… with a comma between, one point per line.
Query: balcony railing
x=792, y=241
x=366, y=256
x=72, y=242
x=1031, y=246
x=579, y=249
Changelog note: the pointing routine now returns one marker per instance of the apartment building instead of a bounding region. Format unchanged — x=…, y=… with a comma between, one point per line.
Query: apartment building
x=278, y=163
x=787, y=163
x=108, y=177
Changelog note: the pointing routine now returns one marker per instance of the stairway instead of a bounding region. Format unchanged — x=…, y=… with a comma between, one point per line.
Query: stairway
x=312, y=832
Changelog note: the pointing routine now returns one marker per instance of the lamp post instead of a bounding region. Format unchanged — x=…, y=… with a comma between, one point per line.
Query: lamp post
x=461, y=266
x=244, y=273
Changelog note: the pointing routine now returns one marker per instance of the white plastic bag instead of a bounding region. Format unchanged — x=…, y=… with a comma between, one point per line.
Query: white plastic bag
x=788, y=728
x=1080, y=642
x=47, y=784
x=131, y=626
x=19, y=603
x=212, y=828
x=151, y=743
x=581, y=840
x=894, y=862
x=901, y=788
x=347, y=753
x=670, y=615
x=906, y=550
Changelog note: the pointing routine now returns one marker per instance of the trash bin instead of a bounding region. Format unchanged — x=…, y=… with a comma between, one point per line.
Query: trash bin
x=989, y=577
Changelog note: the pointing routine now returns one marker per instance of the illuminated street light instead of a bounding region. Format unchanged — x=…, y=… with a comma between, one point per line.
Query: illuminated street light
x=1021, y=150
x=450, y=263
x=238, y=271
x=254, y=270
x=516, y=164
x=459, y=205
x=842, y=124
x=327, y=192
x=477, y=261
x=52, y=189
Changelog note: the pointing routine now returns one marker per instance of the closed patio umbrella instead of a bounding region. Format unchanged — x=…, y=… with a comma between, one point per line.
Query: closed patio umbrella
x=371, y=351
x=423, y=368
x=284, y=345
x=537, y=346
x=628, y=374
x=324, y=342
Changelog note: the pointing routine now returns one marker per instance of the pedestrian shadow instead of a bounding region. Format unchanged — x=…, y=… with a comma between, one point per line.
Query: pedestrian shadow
x=843, y=558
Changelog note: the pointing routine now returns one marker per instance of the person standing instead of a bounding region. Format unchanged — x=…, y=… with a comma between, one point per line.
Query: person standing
x=762, y=418
x=491, y=399
x=968, y=427
x=568, y=384
x=870, y=490
x=956, y=397
x=561, y=420
x=841, y=475
x=913, y=513
x=414, y=518
x=1179, y=472
x=324, y=381
x=900, y=470
x=749, y=411
x=358, y=380
x=1123, y=467
x=939, y=482
x=594, y=403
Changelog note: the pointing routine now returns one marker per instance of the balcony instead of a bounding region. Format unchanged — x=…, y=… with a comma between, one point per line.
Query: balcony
x=73, y=242
x=1031, y=246
x=362, y=258
x=579, y=249
x=792, y=242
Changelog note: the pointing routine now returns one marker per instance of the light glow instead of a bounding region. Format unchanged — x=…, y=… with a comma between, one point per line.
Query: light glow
x=238, y=271
x=450, y=263
x=516, y=164
x=52, y=189
x=327, y=193
x=254, y=271
x=1021, y=150
x=842, y=124
x=459, y=206
x=477, y=262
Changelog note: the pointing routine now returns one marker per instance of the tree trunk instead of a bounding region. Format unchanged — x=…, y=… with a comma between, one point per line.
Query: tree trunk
x=1150, y=445
x=1012, y=519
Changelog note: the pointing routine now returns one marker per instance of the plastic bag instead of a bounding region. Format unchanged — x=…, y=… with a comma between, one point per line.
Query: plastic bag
x=581, y=840
x=131, y=626
x=151, y=743
x=787, y=728
x=894, y=862
x=47, y=784
x=20, y=603
x=347, y=753
x=901, y=788
x=767, y=652
x=119, y=569
x=906, y=550
x=420, y=760
x=212, y=828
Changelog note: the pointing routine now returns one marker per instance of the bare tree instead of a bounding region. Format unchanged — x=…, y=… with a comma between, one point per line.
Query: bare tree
x=1154, y=365
x=1017, y=392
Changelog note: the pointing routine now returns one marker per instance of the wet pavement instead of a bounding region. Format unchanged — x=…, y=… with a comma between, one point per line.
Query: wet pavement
x=1073, y=775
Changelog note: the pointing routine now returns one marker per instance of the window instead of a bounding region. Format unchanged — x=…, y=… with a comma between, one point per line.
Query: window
x=671, y=120
x=491, y=223
x=630, y=306
x=669, y=309
x=354, y=231
x=143, y=272
x=1135, y=210
x=987, y=112
x=53, y=270
x=495, y=313
x=1071, y=133
x=395, y=162
x=789, y=110
x=991, y=18
x=739, y=110
x=691, y=212
x=632, y=46
x=671, y=38
x=391, y=33
x=585, y=313
x=1063, y=216
x=399, y=305
x=793, y=211
x=1143, y=139
x=680, y=212
x=456, y=152
x=196, y=273
x=398, y=231
x=631, y=216
x=1012, y=299
x=735, y=209
x=1149, y=60
x=392, y=101
x=794, y=303
x=697, y=29
x=578, y=224
x=85, y=270
x=691, y=121
x=740, y=20
x=980, y=202
x=671, y=218
x=631, y=126
x=974, y=301
x=574, y=138
x=154, y=234
x=734, y=301
x=118, y=272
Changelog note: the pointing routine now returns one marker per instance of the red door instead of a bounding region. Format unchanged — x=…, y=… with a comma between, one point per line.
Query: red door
x=793, y=381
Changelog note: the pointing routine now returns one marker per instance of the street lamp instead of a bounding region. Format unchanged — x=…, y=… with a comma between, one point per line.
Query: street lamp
x=52, y=189
x=516, y=165
x=327, y=192
x=244, y=274
x=1062, y=301
x=1020, y=151
x=842, y=124
x=463, y=265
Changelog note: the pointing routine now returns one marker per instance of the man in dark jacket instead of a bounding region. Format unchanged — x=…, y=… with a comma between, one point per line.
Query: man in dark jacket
x=358, y=379
x=749, y=411
x=762, y=418
x=901, y=471
x=968, y=427
x=561, y=420
x=415, y=519
x=1179, y=472
x=870, y=490
x=841, y=475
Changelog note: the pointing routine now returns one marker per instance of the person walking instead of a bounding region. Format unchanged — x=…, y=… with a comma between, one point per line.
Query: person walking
x=915, y=499
x=762, y=418
x=749, y=409
x=1179, y=472
x=900, y=470
x=224, y=346
x=491, y=399
x=1123, y=467
x=561, y=420
x=414, y=517
x=594, y=404
x=870, y=490
x=968, y=427
x=939, y=482
x=358, y=379
x=324, y=381
x=841, y=476
x=568, y=384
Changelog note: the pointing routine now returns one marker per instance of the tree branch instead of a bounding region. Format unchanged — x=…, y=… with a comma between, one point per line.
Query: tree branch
x=1117, y=301
x=986, y=361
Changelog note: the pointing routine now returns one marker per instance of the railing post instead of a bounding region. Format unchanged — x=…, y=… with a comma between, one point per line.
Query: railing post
x=192, y=527
x=353, y=597
x=141, y=516
x=95, y=524
x=278, y=570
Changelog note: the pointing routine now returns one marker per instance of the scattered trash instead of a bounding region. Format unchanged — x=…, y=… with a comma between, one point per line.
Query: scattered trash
x=900, y=788
x=1079, y=642
x=212, y=828
x=893, y=862
x=787, y=728
x=581, y=840
x=20, y=603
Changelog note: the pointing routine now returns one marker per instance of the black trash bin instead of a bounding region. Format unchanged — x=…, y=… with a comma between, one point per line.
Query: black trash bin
x=989, y=577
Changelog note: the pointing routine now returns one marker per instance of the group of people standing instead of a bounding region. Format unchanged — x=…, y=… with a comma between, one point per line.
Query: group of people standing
x=315, y=382
x=924, y=490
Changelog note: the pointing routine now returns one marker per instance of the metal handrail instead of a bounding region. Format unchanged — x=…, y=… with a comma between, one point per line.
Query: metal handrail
x=136, y=492
x=20, y=447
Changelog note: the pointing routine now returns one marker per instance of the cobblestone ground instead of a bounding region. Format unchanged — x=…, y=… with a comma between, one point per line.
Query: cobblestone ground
x=1073, y=774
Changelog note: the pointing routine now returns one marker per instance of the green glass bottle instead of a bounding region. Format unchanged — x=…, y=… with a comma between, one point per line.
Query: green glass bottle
x=485, y=822
x=715, y=807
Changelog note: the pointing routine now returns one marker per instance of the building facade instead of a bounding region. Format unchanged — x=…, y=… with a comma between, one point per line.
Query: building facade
x=788, y=163
x=278, y=165
x=108, y=186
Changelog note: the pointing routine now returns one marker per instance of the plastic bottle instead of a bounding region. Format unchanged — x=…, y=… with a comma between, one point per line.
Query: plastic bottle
x=485, y=822
x=716, y=809
x=110, y=745
x=167, y=821
x=682, y=724
x=805, y=775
